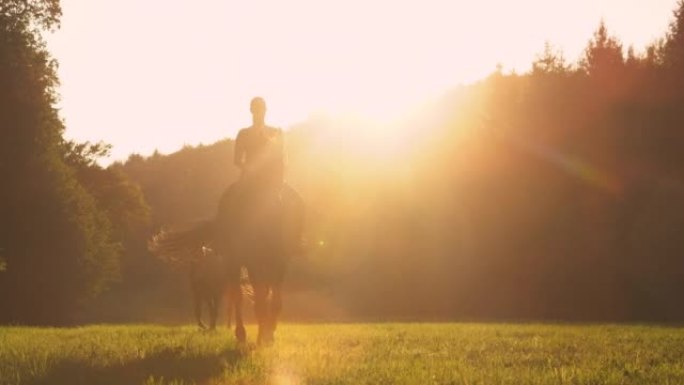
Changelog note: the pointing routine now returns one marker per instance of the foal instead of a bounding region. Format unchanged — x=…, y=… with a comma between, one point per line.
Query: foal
x=207, y=280
x=211, y=276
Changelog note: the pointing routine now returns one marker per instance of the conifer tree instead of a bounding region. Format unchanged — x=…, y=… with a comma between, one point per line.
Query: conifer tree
x=603, y=55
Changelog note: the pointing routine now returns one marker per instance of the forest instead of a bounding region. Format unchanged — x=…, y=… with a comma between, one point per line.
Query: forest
x=554, y=194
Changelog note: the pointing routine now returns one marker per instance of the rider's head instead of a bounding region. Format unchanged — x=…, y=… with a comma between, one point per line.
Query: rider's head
x=258, y=108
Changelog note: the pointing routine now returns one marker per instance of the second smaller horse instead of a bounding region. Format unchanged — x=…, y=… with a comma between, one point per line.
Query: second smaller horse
x=207, y=281
x=212, y=275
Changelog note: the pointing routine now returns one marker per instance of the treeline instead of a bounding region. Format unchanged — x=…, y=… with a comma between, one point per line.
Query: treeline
x=64, y=219
x=553, y=194
x=576, y=209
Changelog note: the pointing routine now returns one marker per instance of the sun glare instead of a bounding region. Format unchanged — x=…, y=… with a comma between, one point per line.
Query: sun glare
x=188, y=79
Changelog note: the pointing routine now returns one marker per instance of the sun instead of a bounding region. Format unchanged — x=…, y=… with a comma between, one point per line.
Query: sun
x=362, y=142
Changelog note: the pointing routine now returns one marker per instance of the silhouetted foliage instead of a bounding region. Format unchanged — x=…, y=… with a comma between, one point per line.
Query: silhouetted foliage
x=673, y=45
x=550, y=62
x=31, y=15
x=121, y=199
x=603, y=55
x=54, y=235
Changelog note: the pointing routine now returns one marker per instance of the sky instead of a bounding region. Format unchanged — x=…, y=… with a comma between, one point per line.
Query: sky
x=147, y=75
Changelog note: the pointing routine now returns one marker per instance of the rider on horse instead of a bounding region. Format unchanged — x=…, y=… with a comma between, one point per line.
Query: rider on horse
x=257, y=229
x=262, y=216
x=252, y=206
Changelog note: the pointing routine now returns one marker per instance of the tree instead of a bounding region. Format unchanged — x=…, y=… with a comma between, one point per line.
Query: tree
x=55, y=239
x=673, y=46
x=550, y=61
x=38, y=14
x=603, y=55
x=120, y=198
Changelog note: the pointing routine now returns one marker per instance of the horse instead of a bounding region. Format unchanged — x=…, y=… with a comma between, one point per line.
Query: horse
x=261, y=233
x=255, y=234
x=206, y=281
x=209, y=273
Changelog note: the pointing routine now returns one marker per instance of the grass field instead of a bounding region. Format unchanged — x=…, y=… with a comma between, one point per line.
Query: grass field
x=346, y=354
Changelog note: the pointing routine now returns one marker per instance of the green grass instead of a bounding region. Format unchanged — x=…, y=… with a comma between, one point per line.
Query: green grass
x=346, y=354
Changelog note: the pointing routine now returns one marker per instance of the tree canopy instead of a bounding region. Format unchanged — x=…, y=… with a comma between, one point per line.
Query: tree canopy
x=57, y=239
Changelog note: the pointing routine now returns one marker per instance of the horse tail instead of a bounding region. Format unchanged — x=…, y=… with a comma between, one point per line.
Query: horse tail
x=177, y=246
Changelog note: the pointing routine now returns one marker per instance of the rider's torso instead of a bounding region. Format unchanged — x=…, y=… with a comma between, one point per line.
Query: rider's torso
x=263, y=152
x=260, y=143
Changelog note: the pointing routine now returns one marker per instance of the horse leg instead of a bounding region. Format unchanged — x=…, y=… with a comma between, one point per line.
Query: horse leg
x=235, y=299
x=276, y=308
x=198, y=308
x=240, y=332
x=213, y=312
x=229, y=301
x=261, y=309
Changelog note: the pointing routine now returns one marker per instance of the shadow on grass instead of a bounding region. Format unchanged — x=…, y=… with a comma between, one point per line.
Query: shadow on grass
x=168, y=364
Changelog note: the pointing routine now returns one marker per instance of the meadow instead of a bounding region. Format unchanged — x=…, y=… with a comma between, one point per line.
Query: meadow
x=391, y=353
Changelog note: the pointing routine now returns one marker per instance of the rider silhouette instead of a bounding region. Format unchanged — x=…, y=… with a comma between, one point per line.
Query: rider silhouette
x=252, y=204
x=259, y=153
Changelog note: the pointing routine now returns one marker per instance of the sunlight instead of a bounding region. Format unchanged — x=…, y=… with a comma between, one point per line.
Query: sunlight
x=381, y=141
x=370, y=142
x=142, y=88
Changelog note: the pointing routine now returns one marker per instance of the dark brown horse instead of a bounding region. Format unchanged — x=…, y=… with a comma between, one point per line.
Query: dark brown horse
x=248, y=232
x=207, y=281
x=188, y=251
x=260, y=232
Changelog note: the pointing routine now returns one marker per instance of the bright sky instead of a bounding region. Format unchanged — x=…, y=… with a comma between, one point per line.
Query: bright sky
x=157, y=74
